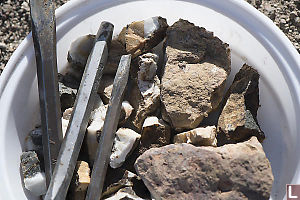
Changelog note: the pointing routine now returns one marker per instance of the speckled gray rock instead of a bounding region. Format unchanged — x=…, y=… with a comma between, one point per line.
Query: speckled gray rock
x=183, y=171
x=34, y=179
x=196, y=69
x=237, y=121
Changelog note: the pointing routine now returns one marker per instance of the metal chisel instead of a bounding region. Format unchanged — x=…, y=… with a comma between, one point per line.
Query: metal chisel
x=84, y=104
x=44, y=39
x=109, y=129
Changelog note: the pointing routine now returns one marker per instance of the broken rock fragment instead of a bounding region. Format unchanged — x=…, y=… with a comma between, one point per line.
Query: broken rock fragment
x=155, y=133
x=141, y=36
x=237, y=121
x=34, y=179
x=145, y=90
x=125, y=141
x=196, y=69
x=199, y=136
x=183, y=171
x=80, y=181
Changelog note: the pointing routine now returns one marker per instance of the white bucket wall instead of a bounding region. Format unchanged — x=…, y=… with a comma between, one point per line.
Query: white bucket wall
x=252, y=37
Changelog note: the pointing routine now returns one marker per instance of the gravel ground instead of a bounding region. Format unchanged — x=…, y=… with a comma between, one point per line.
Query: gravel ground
x=15, y=21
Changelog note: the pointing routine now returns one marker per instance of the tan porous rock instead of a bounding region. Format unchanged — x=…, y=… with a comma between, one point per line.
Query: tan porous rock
x=194, y=76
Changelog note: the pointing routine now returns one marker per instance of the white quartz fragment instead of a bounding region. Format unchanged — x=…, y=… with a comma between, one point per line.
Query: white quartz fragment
x=36, y=184
x=124, y=141
x=96, y=126
x=199, y=136
x=150, y=25
x=126, y=110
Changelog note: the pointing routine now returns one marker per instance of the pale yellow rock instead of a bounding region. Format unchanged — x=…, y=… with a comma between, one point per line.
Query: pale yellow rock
x=80, y=181
x=199, y=136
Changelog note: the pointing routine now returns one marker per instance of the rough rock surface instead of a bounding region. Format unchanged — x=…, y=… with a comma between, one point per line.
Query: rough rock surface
x=155, y=133
x=196, y=69
x=125, y=141
x=141, y=36
x=237, y=121
x=199, y=136
x=145, y=90
x=80, y=181
x=34, y=179
x=183, y=171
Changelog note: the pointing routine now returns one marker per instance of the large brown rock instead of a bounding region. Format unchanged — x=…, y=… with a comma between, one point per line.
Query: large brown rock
x=183, y=171
x=196, y=69
x=237, y=121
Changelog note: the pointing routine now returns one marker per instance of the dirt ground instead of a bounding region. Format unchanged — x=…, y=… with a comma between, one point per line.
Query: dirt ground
x=15, y=21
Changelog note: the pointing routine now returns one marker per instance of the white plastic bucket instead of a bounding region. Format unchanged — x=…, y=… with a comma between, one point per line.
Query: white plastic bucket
x=252, y=37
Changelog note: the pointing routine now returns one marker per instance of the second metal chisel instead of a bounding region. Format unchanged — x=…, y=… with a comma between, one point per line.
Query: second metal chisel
x=84, y=104
x=109, y=129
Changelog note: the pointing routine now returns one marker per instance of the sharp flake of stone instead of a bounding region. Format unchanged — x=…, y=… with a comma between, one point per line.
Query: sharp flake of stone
x=80, y=181
x=80, y=50
x=237, y=121
x=34, y=179
x=196, y=69
x=125, y=193
x=155, y=133
x=67, y=96
x=125, y=141
x=183, y=171
x=145, y=90
x=199, y=136
x=141, y=36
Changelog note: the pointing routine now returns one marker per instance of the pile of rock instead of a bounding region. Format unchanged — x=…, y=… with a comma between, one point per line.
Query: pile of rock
x=161, y=149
